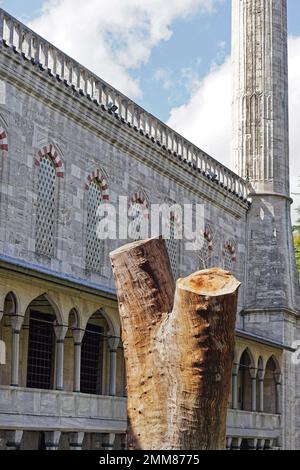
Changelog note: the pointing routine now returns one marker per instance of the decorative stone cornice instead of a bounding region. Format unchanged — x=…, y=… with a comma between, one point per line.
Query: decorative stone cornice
x=173, y=152
x=110, y=127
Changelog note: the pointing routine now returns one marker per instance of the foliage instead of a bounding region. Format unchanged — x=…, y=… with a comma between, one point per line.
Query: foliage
x=296, y=230
x=297, y=250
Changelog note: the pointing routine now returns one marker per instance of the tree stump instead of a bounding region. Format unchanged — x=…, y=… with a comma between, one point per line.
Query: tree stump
x=178, y=347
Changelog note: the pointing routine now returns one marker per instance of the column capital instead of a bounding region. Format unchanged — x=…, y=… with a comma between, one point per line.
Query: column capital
x=60, y=332
x=76, y=440
x=252, y=443
x=228, y=442
x=236, y=443
x=261, y=374
x=108, y=441
x=78, y=335
x=278, y=378
x=113, y=343
x=268, y=444
x=17, y=322
x=52, y=439
x=261, y=444
x=14, y=439
x=253, y=373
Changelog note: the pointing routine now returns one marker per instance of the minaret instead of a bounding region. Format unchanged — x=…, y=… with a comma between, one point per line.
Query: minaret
x=260, y=109
x=261, y=150
x=261, y=154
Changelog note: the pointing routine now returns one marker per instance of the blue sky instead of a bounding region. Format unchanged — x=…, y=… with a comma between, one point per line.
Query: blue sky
x=170, y=56
x=196, y=43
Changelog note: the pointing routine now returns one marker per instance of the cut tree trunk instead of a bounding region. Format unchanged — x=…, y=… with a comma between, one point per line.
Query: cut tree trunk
x=178, y=346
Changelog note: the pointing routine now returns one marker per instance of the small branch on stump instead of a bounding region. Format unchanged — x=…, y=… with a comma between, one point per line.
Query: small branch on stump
x=178, y=346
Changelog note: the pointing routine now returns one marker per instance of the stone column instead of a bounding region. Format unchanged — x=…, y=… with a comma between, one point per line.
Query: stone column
x=60, y=332
x=278, y=380
x=108, y=442
x=268, y=444
x=253, y=374
x=236, y=443
x=14, y=439
x=235, y=371
x=252, y=443
x=2, y=353
x=228, y=443
x=76, y=440
x=16, y=324
x=52, y=440
x=113, y=343
x=261, y=377
x=123, y=441
x=78, y=337
x=260, y=444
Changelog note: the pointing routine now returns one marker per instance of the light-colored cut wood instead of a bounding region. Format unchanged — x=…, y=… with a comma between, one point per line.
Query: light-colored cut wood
x=178, y=346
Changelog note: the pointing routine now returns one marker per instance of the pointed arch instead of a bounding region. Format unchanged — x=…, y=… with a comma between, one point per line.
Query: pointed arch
x=43, y=316
x=246, y=364
x=46, y=212
x=96, y=194
x=272, y=378
x=205, y=253
x=276, y=366
x=101, y=178
x=229, y=254
x=3, y=139
x=249, y=353
x=260, y=364
x=52, y=152
x=74, y=318
x=138, y=212
x=140, y=197
x=52, y=304
x=11, y=304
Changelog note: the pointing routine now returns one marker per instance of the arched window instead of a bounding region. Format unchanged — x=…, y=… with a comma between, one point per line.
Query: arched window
x=244, y=382
x=10, y=309
x=229, y=255
x=3, y=139
x=41, y=344
x=271, y=398
x=173, y=247
x=205, y=253
x=45, y=217
x=138, y=215
x=94, y=246
x=92, y=355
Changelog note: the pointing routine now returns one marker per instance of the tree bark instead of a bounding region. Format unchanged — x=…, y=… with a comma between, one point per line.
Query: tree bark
x=178, y=346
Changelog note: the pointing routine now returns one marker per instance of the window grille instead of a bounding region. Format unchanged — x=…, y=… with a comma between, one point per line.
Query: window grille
x=172, y=247
x=40, y=351
x=205, y=253
x=137, y=214
x=92, y=360
x=45, y=219
x=94, y=246
x=228, y=263
x=204, y=256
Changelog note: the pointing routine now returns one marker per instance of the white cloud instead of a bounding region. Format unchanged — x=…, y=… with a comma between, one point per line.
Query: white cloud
x=112, y=37
x=294, y=90
x=164, y=76
x=206, y=119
